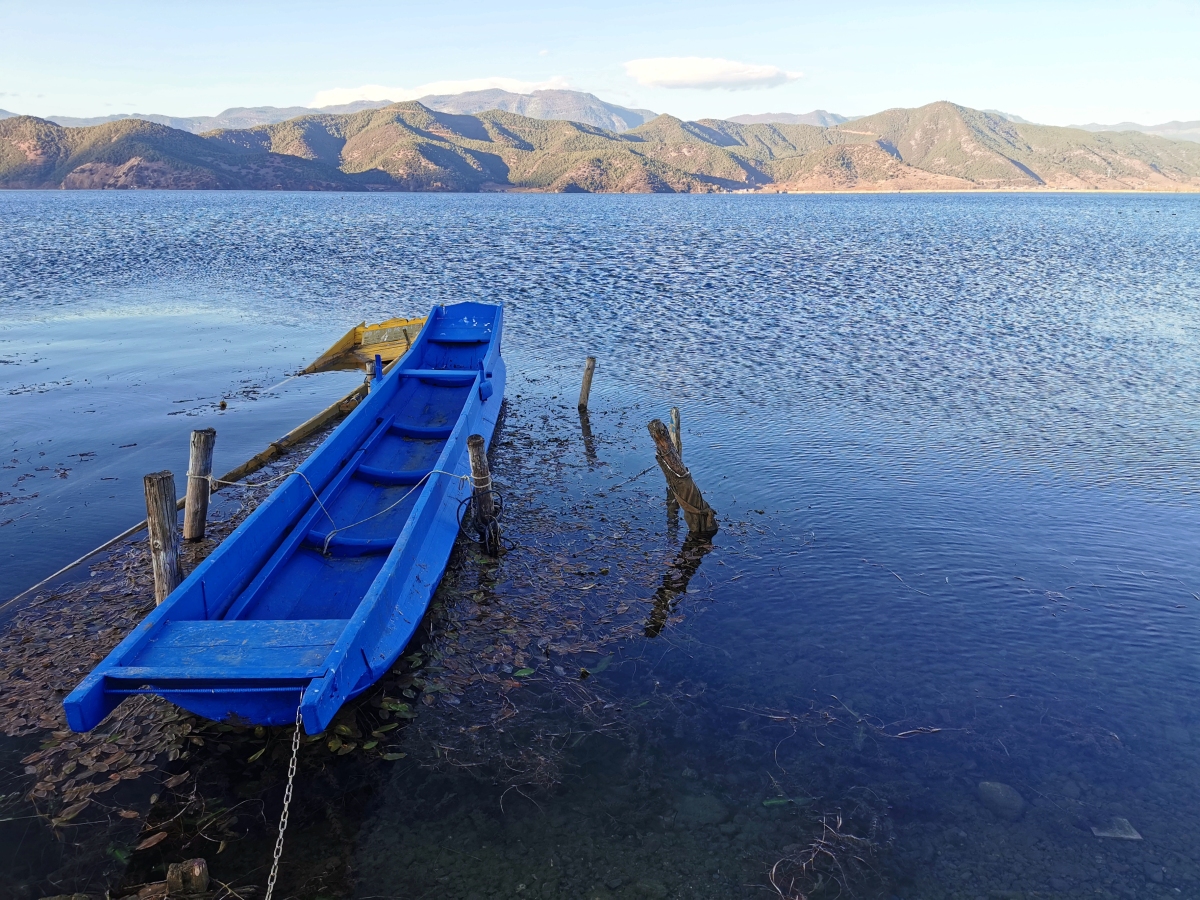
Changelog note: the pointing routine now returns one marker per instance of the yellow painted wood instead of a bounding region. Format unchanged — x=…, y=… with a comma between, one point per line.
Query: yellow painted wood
x=390, y=339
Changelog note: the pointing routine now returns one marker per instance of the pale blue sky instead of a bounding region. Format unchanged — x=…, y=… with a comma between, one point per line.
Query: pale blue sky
x=1051, y=62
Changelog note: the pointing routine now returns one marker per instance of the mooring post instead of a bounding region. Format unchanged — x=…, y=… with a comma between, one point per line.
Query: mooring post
x=677, y=440
x=481, y=478
x=483, y=500
x=589, y=369
x=700, y=517
x=195, y=504
x=161, y=513
x=188, y=877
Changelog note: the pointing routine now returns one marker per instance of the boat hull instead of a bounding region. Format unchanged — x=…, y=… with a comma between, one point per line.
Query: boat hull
x=317, y=593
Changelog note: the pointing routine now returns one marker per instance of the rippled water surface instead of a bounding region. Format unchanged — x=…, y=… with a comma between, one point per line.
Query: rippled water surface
x=954, y=442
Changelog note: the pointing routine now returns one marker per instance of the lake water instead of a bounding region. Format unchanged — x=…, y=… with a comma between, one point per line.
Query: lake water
x=954, y=443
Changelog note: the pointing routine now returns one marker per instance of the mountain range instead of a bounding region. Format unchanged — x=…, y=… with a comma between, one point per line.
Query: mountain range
x=575, y=106
x=410, y=147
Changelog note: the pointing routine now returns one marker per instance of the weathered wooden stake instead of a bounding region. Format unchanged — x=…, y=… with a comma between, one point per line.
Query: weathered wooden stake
x=589, y=369
x=161, y=513
x=700, y=517
x=195, y=505
x=676, y=433
x=481, y=478
x=189, y=877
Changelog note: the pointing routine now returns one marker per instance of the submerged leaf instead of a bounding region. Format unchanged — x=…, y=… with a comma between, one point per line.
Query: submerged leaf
x=776, y=801
x=152, y=841
x=391, y=756
x=257, y=753
x=521, y=673
x=72, y=811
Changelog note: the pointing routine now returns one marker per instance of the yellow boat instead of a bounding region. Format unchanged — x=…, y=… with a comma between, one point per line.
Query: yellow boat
x=358, y=346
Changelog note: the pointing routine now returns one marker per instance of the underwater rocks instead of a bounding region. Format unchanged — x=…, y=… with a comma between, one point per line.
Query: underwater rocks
x=1001, y=799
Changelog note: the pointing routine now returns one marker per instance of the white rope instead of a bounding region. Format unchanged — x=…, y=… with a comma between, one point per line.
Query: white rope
x=405, y=496
x=287, y=801
x=686, y=471
x=329, y=516
x=249, y=484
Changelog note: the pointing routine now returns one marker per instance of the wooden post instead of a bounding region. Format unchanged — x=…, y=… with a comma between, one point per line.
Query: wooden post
x=189, y=877
x=700, y=517
x=161, y=513
x=589, y=369
x=677, y=441
x=481, y=477
x=195, y=505
x=484, y=501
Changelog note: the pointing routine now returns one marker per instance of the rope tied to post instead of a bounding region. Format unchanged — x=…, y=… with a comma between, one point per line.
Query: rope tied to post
x=479, y=514
x=701, y=519
x=479, y=526
x=666, y=464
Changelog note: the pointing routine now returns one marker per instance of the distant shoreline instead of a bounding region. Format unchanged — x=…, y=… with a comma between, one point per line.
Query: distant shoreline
x=1076, y=192
x=938, y=148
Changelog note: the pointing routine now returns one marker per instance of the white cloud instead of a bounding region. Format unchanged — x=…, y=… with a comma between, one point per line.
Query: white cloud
x=706, y=73
x=338, y=96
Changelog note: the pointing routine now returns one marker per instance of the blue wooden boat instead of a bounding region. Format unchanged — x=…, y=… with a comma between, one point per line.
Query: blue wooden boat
x=311, y=600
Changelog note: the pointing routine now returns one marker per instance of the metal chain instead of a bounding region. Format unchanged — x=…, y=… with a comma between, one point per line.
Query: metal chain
x=287, y=801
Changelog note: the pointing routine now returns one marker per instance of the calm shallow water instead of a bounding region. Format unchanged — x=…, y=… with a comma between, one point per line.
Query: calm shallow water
x=955, y=441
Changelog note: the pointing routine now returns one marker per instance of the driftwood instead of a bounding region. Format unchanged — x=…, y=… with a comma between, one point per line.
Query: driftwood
x=700, y=517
